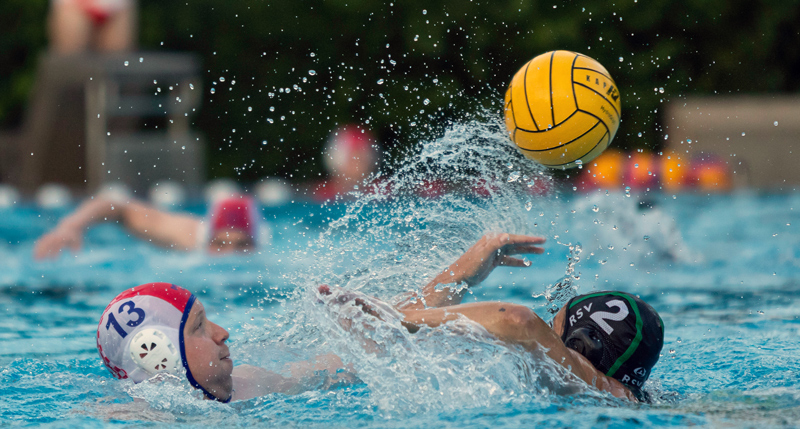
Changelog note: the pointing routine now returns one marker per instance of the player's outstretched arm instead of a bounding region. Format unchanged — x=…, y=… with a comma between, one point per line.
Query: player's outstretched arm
x=323, y=372
x=517, y=324
x=491, y=251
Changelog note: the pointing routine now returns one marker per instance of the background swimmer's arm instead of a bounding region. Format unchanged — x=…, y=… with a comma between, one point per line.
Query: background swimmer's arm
x=165, y=229
x=146, y=222
x=491, y=251
x=69, y=232
x=517, y=324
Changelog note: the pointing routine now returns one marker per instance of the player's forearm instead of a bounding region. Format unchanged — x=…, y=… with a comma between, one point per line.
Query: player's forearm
x=513, y=324
x=446, y=289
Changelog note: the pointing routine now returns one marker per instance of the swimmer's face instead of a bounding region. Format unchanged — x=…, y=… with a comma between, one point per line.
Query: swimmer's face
x=583, y=340
x=206, y=353
x=228, y=241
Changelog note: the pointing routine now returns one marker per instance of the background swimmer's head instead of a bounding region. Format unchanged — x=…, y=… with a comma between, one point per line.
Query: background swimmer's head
x=234, y=225
x=161, y=327
x=620, y=334
x=350, y=153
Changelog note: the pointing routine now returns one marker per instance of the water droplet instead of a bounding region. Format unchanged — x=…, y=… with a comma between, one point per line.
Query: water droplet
x=249, y=109
x=514, y=176
x=775, y=123
x=660, y=90
x=646, y=237
x=689, y=141
x=672, y=351
x=312, y=55
x=126, y=63
x=528, y=206
x=640, y=134
x=678, y=340
x=222, y=79
x=620, y=59
x=141, y=60
x=380, y=81
x=191, y=86
x=595, y=208
x=213, y=90
x=312, y=73
x=424, y=12
x=426, y=102
x=628, y=191
x=743, y=134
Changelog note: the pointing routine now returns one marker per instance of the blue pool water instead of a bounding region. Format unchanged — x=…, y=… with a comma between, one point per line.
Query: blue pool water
x=722, y=270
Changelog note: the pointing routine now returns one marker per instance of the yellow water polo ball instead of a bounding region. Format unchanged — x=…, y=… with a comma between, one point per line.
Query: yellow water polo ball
x=562, y=109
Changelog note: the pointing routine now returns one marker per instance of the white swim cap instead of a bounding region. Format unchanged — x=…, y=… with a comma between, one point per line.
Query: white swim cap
x=141, y=333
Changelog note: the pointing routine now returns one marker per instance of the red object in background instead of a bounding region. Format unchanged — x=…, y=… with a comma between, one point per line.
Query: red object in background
x=710, y=173
x=350, y=152
x=431, y=189
x=670, y=172
x=237, y=212
x=604, y=172
x=641, y=171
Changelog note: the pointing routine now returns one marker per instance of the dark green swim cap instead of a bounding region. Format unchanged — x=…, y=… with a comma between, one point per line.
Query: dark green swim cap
x=630, y=334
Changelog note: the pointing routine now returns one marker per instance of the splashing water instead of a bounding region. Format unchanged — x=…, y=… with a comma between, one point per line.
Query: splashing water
x=565, y=288
x=393, y=238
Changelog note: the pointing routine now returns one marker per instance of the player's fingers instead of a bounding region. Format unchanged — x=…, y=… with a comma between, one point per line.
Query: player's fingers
x=524, y=248
x=508, y=261
x=44, y=250
x=525, y=239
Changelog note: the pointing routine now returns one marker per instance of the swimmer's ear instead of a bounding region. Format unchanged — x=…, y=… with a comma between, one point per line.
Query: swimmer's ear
x=153, y=352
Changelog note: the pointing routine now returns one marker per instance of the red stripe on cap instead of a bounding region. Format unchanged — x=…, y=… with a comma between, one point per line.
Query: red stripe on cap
x=173, y=294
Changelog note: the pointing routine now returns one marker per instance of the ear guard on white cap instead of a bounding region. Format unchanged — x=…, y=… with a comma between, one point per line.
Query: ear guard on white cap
x=153, y=352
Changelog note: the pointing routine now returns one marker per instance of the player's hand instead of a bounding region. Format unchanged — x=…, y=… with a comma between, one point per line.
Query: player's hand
x=50, y=245
x=491, y=251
